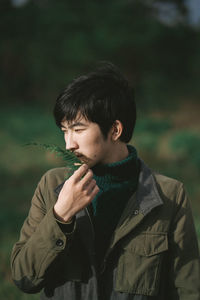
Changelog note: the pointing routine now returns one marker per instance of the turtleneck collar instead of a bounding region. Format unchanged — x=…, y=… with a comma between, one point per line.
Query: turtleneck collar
x=119, y=171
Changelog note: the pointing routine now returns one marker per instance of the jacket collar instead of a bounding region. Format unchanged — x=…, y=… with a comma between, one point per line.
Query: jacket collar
x=144, y=199
x=142, y=202
x=147, y=195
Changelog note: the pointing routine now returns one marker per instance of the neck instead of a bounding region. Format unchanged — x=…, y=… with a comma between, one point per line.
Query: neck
x=118, y=170
x=120, y=176
x=117, y=153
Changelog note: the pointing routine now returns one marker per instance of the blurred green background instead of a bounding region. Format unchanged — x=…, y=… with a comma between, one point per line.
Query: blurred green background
x=46, y=43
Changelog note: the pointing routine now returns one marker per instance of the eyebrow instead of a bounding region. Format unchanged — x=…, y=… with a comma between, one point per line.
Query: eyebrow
x=74, y=125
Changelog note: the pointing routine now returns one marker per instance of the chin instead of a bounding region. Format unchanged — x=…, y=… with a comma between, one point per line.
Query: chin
x=88, y=162
x=91, y=163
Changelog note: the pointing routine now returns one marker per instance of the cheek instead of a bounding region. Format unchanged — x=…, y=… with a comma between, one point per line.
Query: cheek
x=98, y=142
x=98, y=147
x=89, y=139
x=92, y=145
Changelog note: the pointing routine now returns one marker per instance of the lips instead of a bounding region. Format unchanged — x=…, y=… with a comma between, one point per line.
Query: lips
x=82, y=158
x=78, y=155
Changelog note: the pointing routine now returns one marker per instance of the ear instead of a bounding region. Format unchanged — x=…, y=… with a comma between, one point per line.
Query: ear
x=116, y=130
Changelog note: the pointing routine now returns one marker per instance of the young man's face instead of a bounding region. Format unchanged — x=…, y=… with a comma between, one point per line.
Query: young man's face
x=85, y=139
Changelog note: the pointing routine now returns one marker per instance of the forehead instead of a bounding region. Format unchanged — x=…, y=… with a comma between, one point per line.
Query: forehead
x=78, y=121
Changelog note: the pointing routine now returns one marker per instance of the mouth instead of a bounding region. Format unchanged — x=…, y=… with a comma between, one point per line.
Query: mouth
x=82, y=158
x=78, y=155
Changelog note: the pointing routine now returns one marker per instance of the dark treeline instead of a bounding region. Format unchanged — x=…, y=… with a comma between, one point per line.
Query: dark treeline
x=46, y=43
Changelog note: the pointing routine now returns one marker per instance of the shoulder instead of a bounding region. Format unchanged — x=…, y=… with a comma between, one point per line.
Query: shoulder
x=171, y=189
x=167, y=187
x=167, y=183
x=54, y=177
x=56, y=173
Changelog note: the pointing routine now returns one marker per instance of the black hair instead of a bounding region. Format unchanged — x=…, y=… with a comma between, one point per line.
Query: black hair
x=101, y=96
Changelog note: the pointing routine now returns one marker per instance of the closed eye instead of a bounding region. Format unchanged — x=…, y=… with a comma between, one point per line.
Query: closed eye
x=78, y=130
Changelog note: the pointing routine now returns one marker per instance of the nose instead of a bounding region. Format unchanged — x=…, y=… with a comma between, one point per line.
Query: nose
x=70, y=142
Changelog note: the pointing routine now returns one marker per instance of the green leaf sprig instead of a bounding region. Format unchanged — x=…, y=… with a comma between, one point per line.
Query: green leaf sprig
x=72, y=161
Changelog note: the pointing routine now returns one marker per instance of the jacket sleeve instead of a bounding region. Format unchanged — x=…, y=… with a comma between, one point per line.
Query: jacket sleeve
x=184, y=253
x=41, y=240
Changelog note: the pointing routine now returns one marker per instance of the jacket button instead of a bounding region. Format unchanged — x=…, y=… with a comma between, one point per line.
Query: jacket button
x=59, y=243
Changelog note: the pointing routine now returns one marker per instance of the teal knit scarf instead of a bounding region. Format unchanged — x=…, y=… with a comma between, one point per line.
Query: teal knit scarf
x=117, y=182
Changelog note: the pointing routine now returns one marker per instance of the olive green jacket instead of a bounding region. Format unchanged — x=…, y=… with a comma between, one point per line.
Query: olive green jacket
x=153, y=253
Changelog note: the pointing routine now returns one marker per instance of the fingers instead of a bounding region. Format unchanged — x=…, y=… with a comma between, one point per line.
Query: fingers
x=91, y=186
x=86, y=179
x=78, y=174
x=94, y=192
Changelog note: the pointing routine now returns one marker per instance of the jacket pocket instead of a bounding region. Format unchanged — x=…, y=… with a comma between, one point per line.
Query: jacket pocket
x=139, y=265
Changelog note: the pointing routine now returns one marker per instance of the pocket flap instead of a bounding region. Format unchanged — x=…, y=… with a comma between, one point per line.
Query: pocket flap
x=147, y=244
x=155, y=243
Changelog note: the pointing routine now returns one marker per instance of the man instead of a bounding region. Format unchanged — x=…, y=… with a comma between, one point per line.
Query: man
x=114, y=230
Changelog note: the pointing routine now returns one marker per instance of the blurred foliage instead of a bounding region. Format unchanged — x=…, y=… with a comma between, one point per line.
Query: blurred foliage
x=44, y=44
x=186, y=145
x=147, y=138
x=147, y=132
x=151, y=125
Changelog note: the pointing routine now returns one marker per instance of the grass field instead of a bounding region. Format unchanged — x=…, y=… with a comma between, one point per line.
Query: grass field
x=168, y=142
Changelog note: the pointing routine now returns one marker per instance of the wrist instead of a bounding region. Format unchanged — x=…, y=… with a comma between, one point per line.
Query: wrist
x=62, y=219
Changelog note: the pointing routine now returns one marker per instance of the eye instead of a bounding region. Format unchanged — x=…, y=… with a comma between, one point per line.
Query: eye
x=78, y=130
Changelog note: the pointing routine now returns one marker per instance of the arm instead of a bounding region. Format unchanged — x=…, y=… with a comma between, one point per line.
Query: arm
x=42, y=237
x=185, y=276
x=38, y=245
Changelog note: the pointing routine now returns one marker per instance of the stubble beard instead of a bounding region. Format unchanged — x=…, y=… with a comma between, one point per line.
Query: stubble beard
x=84, y=159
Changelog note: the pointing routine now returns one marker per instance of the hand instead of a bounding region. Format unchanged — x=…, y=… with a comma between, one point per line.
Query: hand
x=77, y=192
